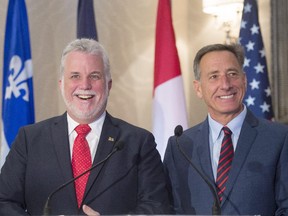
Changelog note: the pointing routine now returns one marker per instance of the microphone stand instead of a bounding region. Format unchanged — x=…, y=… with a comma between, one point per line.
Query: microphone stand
x=216, y=209
x=47, y=208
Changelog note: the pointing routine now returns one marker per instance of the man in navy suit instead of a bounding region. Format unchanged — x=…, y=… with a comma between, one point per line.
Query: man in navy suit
x=131, y=181
x=257, y=180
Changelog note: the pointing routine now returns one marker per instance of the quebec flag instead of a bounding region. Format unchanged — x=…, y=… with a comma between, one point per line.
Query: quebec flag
x=17, y=89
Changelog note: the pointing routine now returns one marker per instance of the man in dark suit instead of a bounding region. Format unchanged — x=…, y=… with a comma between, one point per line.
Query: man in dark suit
x=247, y=171
x=43, y=156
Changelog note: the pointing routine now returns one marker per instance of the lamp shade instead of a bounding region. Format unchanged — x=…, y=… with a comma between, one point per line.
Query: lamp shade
x=219, y=7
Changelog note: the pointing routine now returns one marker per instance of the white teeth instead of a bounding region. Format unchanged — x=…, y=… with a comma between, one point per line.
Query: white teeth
x=226, y=96
x=85, y=97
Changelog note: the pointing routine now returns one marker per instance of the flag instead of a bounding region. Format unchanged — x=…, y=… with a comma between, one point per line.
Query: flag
x=169, y=106
x=86, y=26
x=17, y=89
x=258, y=96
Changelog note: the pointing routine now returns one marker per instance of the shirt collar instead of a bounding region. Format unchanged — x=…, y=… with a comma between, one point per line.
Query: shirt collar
x=234, y=125
x=96, y=126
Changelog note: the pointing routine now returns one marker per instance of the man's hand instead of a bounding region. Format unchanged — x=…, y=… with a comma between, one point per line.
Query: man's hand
x=89, y=211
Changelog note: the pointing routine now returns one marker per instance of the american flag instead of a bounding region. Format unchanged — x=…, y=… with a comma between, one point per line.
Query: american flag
x=258, y=96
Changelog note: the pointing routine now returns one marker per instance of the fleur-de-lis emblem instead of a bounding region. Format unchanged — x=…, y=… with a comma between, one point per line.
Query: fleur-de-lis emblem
x=18, y=78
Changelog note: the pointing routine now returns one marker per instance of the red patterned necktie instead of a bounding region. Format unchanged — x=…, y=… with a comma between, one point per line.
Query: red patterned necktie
x=81, y=160
x=225, y=161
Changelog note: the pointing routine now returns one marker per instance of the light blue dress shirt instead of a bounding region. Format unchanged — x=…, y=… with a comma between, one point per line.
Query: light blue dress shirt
x=216, y=136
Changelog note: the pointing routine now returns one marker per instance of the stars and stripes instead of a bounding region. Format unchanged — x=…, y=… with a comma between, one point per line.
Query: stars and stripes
x=258, y=96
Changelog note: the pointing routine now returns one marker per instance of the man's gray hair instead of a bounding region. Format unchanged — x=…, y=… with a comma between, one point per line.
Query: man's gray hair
x=88, y=46
x=236, y=49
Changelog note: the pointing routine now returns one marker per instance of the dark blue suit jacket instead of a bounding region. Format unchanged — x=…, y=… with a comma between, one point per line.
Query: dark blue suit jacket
x=132, y=181
x=258, y=179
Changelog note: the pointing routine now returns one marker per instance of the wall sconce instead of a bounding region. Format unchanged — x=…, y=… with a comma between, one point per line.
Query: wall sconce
x=227, y=14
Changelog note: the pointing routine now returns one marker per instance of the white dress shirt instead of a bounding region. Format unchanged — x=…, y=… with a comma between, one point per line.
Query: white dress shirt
x=92, y=137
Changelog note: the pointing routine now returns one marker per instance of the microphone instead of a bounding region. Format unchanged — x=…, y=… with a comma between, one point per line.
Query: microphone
x=216, y=210
x=47, y=209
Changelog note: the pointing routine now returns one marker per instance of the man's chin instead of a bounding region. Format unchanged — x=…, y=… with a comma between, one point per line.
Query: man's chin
x=84, y=115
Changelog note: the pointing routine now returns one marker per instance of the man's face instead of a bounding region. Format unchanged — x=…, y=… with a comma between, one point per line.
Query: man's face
x=222, y=84
x=84, y=86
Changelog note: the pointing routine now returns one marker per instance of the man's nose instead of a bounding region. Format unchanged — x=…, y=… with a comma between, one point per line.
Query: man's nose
x=225, y=82
x=86, y=83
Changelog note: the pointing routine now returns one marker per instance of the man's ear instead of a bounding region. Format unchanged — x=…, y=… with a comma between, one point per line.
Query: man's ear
x=110, y=84
x=197, y=88
x=60, y=83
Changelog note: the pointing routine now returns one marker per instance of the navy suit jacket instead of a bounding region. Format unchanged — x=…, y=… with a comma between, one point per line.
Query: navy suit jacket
x=258, y=179
x=131, y=181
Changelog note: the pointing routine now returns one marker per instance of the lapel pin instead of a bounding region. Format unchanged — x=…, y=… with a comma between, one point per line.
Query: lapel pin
x=111, y=139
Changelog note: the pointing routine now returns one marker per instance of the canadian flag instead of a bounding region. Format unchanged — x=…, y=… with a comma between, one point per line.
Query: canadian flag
x=169, y=106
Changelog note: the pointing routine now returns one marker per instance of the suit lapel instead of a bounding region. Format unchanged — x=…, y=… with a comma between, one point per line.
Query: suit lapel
x=109, y=136
x=246, y=139
x=203, y=150
x=201, y=157
x=59, y=132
